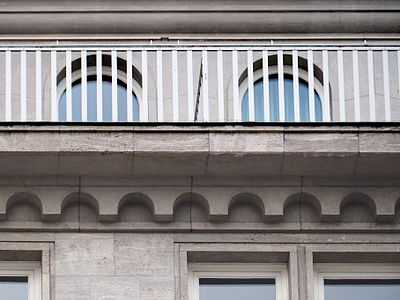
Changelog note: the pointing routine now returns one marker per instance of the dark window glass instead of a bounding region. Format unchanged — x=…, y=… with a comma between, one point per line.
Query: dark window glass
x=92, y=101
x=274, y=101
x=237, y=289
x=362, y=289
x=14, y=288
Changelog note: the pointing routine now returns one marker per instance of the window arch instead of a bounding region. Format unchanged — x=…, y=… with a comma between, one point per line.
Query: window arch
x=76, y=90
x=288, y=92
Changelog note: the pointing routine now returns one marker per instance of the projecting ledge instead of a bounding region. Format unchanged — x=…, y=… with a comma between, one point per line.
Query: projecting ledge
x=211, y=149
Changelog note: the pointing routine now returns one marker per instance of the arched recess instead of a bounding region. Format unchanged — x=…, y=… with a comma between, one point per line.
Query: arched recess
x=81, y=207
x=24, y=206
x=357, y=207
x=191, y=207
x=301, y=207
x=135, y=207
x=246, y=207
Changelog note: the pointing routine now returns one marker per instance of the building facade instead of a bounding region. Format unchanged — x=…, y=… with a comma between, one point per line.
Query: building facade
x=199, y=150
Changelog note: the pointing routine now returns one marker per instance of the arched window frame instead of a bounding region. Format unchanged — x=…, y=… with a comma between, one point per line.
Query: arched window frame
x=106, y=71
x=287, y=70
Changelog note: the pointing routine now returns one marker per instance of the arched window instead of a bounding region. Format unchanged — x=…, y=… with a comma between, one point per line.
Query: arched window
x=274, y=101
x=91, y=96
x=321, y=104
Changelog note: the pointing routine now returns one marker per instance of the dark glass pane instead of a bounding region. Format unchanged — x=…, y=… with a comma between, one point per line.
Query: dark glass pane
x=237, y=289
x=14, y=288
x=274, y=101
x=92, y=101
x=362, y=289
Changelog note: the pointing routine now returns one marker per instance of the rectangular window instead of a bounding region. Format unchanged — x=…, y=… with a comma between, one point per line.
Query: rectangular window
x=238, y=282
x=357, y=282
x=20, y=280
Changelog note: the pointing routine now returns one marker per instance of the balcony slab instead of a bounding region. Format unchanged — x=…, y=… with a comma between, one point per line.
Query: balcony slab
x=189, y=150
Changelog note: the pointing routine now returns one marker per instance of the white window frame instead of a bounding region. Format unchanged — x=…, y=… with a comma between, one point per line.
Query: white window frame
x=29, y=269
x=351, y=271
x=287, y=70
x=278, y=272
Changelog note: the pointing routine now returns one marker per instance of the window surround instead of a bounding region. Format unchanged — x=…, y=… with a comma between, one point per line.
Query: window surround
x=287, y=70
x=278, y=272
x=29, y=269
x=106, y=71
x=324, y=271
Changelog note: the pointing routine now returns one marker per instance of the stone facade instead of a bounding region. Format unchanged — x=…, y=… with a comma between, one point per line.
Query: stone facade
x=120, y=211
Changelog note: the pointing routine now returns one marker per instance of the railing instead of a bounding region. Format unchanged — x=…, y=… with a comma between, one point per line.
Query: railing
x=200, y=83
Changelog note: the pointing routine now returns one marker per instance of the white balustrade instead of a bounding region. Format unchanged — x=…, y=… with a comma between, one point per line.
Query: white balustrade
x=200, y=84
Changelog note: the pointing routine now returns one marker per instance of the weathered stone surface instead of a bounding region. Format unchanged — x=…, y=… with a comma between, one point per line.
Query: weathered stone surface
x=72, y=287
x=115, y=288
x=144, y=254
x=84, y=254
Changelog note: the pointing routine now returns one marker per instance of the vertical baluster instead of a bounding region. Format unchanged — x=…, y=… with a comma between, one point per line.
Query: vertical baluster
x=84, y=85
x=38, y=89
x=189, y=58
x=8, y=84
x=398, y=68
x=386, y=85
x=99, y=85
x=296, y=93
x=23, y=85
x=266, y=86
x=220, y=71
x=371, y=86
x=160, y=97
x=250, y=85
x=281, y=87
x=68, y=85
x=175, y=88
x=356, y=87
x=129, y=88
x=54, y=100
x=342, y=104
x=114, y=86
x=144, y=115
x=235, y=84
x=311, y=95
x=205, y=86
x=327, y=102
